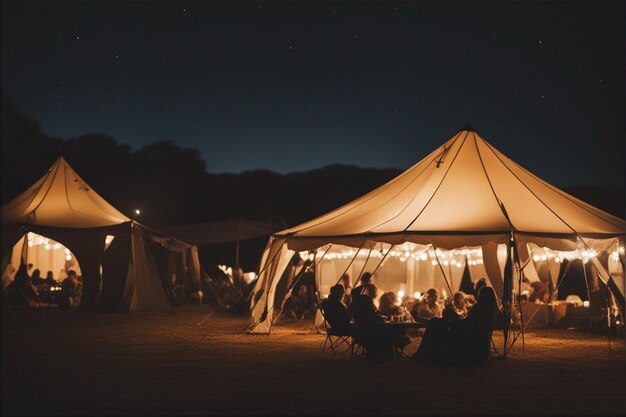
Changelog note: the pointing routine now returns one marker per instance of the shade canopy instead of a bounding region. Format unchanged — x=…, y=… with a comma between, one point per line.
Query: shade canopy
x=464, y=194
x=61, y=198
x=132, y=266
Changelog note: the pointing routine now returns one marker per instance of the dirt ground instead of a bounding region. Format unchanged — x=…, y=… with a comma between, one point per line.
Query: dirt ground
x=64, y=362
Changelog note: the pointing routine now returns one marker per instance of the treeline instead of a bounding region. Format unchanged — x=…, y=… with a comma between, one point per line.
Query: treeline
x=170, y=184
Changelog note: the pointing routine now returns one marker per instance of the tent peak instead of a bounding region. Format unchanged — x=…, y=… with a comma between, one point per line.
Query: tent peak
x=468, y=126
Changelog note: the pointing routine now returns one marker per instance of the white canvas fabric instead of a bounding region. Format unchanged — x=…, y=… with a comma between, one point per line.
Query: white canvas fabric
x=62, y=202
x=463, y=194
x=455, y=192
x=61, y=198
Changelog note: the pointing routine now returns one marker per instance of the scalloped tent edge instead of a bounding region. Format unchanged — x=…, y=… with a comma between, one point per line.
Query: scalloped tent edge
x=132, y=273
x=465, y=193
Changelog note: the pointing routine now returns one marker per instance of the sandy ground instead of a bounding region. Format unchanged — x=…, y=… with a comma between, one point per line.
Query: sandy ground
x=64, y=362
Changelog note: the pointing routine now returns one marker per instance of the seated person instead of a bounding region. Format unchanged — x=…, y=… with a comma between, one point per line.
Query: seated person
x=36, y=278
x=428, y=307
x=482, y=282
x=347, y=286
x=478, y=328
x=457, y=307
x=370, y=330
x=470, y=300
x=70, y=290
x=335, y=312
x=388, y=308
x=366, y=279
x=21, y=291
x=50, y=279
x=540, y=292
x=463, y=341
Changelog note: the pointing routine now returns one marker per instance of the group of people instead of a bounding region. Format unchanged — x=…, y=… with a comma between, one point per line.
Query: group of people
x=24, y=288
x=457, y=330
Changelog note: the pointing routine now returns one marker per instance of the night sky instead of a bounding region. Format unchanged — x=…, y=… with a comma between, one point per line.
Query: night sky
x=296, y=86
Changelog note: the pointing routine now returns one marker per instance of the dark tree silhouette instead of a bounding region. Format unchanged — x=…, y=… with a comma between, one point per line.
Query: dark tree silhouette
x=170, y=184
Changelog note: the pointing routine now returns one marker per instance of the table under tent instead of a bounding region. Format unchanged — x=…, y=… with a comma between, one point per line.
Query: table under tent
x=465, y=211
x=60, y=222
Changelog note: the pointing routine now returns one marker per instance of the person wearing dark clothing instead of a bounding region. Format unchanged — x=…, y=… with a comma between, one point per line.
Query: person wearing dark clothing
x=335, y=312
x=479, y=328
x=50, y=279
x=70, y=290
x=464, y=341
x=370, y=330
x=21, y=291
x=366, y=279
x=36, y=277
x=482, y=282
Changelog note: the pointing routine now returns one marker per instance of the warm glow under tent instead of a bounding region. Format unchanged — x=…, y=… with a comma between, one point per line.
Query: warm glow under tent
x=132, y=265
x=460, y=206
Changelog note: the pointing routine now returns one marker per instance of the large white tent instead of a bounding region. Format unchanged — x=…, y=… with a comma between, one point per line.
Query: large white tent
x=129, y=264
x=460, y=206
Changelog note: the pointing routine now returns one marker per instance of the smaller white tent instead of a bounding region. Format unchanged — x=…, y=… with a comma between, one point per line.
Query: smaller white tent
x=129, y=264
x=458, y=206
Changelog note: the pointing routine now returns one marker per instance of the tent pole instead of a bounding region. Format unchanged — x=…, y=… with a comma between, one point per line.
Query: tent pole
x=591, y=323
x=24, y=255
x=269, y=310
x=295, y=279
x=609, y=315
x=364, y=265
x=237, y=255
x=350, y=263
x=441, y=269
x=519, y=304
x=383, y=259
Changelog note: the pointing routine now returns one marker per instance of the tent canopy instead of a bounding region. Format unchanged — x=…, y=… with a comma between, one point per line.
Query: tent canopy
x=464, y=194
x=133, y=268
x=461, y=194
x=61, y=198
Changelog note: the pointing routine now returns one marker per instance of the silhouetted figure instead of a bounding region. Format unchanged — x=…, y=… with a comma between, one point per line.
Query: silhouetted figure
x=50, y=279
x=370, y=330
x=36, y=279
x=482, y=282
x=478, y=328
x=347, y=286
x=335, y=312
x=366, y=279
x=70, y=290
x=461, y=341
x=21, y=291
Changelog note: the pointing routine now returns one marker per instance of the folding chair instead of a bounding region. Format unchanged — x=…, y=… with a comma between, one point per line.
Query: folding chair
x=335, y=338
